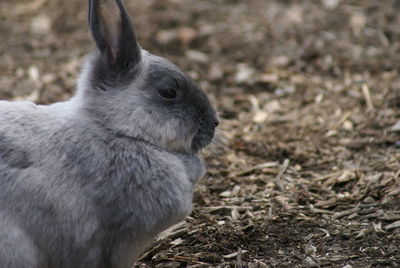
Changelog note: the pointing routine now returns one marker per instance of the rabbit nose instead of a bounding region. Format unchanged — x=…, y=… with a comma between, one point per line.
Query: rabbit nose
x=216, y=121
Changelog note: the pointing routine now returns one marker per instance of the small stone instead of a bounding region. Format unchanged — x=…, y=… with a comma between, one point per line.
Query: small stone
x=279, y=61
x=186, y=35
x=225, y=194
x=165, y=37
x=331, y=4
x=197, y=56
x=33, y=73
x=244, y=73
x=348, y=125
x=319, y=98
x=260, y=116
x=41, y=24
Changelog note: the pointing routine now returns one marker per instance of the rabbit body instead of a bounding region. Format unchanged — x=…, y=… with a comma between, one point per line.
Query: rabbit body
x=91, y=181
x=71, y=196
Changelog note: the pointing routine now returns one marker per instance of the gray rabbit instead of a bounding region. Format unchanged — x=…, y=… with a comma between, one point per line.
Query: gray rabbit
x=90, y=182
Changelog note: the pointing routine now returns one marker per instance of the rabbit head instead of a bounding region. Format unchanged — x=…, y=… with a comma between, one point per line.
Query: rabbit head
x=134, y=94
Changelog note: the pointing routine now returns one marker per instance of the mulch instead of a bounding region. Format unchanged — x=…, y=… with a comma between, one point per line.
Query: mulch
x=305, y=171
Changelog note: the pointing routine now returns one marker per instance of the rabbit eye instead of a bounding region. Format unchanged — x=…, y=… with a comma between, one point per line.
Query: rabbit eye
x=167, y=93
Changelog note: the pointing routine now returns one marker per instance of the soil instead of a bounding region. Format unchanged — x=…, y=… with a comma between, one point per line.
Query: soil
x=306, y=169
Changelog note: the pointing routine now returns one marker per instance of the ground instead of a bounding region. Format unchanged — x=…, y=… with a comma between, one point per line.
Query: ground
x=306, y=169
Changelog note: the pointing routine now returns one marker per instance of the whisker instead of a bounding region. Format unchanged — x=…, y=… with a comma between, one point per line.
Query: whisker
x=217, y=146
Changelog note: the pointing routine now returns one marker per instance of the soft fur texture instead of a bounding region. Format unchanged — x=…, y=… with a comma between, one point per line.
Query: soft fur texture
x=90, y=182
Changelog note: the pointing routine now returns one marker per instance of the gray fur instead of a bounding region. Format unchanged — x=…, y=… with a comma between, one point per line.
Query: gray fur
x=90, y=182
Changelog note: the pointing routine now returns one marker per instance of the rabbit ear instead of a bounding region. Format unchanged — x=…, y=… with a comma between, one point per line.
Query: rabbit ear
x=112, y=30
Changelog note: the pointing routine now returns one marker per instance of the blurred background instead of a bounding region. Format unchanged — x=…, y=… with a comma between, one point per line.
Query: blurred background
x=308, y=170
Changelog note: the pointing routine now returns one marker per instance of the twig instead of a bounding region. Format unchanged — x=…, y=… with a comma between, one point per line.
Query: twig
x=345, y=213
x=262, y=166
x=342, y=120
x=393, y=225
x=229, y=256
x=367, y=97
x=239, y=262
x=282, y=170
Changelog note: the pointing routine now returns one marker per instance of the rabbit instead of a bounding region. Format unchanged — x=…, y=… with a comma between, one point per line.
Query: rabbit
x=90, y=182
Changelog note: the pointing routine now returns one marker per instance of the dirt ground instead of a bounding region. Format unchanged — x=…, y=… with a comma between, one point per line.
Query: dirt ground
x=306, y=172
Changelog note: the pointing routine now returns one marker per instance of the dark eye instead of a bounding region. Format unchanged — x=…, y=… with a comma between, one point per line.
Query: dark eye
x=167, y=93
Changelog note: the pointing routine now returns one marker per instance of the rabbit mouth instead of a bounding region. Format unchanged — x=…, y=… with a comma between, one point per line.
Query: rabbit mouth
x=202, y=138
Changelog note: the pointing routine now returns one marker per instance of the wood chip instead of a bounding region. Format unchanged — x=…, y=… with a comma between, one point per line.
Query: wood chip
x=342, y=120
x=174, y=231
x=345, y=176
x=263, y=166
x=278, y=178
x=341, y=214
x=177, y=242
x=367, y=97
x=233, y=255
x=394, y=225
x=362, y=232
